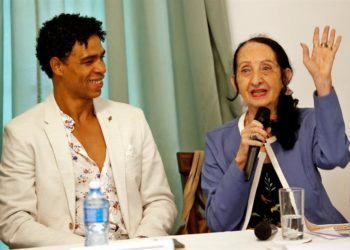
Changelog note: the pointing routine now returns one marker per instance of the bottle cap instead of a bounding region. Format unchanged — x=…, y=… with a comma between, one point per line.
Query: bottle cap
x=94, y=184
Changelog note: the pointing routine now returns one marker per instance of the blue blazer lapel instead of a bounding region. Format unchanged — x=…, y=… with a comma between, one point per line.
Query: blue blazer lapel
x=55, y=132
x=114, y=141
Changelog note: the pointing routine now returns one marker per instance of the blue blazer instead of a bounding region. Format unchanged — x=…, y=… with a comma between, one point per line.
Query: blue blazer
x=322, y=143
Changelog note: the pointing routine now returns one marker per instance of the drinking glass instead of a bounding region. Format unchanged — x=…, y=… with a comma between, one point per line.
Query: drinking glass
x=292, y=212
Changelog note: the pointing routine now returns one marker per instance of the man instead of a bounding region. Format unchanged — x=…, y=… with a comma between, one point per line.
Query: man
x=54, y=150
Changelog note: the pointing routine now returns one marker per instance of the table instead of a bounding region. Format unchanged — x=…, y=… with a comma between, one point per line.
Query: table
x=227, y=241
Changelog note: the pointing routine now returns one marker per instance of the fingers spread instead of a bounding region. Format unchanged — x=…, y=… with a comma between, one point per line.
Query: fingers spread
x=316, y=37
x=325, y=33
x=306, y=54
x=337, y=44
x=331, y=39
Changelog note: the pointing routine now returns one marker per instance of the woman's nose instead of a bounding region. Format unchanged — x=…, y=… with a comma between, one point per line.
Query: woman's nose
x=256, y=78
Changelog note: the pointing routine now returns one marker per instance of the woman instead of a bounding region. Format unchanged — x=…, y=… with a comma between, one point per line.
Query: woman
x=297, y=142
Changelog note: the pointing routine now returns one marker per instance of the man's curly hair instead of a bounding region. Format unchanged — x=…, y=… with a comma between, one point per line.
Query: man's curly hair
x=58, y=36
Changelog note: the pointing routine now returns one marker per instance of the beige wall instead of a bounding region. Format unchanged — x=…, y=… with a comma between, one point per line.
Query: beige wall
x=291, y=22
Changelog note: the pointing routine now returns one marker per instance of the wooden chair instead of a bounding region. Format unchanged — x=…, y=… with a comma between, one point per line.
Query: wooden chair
x=194, y=200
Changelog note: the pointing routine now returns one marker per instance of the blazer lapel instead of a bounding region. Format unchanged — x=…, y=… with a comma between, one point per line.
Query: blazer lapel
x=55, y=132
x=114, y=142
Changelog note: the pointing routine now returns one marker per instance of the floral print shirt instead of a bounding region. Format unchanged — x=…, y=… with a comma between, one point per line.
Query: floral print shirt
x=266, y=203
x=86, y=170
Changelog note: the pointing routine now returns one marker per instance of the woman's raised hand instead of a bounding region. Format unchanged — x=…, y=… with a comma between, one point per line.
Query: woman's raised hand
x=320, y=63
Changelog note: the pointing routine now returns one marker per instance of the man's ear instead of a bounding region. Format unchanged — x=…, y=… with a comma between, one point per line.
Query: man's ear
x=56, y=66
x=288, y=74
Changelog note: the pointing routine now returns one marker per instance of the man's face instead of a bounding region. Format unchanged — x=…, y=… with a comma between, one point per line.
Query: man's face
x=84, y=69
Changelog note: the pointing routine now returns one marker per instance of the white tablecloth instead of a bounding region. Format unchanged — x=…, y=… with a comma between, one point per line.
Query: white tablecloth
x=236, y=241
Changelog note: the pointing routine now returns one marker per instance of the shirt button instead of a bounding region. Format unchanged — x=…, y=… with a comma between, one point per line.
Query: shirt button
x=71, y=226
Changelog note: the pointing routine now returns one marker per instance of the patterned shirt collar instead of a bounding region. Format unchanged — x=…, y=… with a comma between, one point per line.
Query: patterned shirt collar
x=69, y=121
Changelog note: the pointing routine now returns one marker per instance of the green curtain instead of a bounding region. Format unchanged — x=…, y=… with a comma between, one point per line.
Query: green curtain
x=222, y=47
x=172, y=58
x=2, y=245
x=1, y=65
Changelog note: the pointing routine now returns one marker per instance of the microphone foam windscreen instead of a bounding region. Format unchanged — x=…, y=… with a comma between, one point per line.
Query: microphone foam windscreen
x=263, y=230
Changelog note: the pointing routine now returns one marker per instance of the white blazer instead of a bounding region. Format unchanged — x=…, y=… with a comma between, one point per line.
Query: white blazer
x=37, y=188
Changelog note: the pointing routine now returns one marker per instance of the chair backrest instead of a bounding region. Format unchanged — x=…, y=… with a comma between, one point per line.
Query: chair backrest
x=184, y=161
x=190, y=166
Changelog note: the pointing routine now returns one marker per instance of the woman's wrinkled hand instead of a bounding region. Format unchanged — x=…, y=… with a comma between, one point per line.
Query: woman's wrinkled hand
x=320, y=63
x=252, y=135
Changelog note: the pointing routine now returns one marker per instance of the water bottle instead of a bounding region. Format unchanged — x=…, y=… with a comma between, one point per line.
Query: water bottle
x=96, y=210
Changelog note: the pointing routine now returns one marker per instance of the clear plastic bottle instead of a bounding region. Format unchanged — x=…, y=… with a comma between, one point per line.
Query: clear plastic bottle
x=96, y=212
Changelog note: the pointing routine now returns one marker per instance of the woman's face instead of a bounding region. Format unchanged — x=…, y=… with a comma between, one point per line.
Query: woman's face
x=258, y=76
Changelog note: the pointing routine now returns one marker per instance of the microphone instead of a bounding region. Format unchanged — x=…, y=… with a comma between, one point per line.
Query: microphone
x=264, y=230
x=263, y=116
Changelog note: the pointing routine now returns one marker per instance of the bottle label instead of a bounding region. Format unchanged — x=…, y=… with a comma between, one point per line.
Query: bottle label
x=93, y=215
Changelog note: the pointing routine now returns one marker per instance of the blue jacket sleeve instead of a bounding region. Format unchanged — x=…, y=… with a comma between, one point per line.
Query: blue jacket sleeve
x=331, y=145
x=224, y=186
